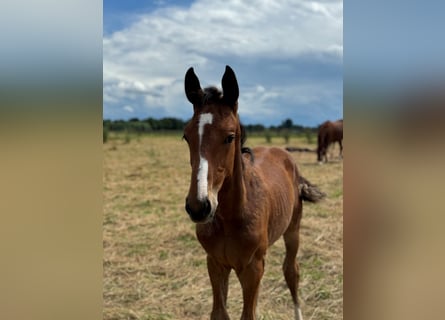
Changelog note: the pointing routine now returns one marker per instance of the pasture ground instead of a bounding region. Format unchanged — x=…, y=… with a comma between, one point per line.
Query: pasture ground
x=154, y=268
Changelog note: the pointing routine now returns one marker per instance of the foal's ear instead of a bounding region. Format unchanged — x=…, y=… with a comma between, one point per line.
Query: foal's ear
x=230, y=88
x=193, y=89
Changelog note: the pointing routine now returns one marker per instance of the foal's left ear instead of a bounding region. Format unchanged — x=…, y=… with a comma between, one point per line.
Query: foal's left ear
x=230, y=88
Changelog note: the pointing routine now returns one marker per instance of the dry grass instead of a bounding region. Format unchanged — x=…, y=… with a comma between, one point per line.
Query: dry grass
x=154, y=268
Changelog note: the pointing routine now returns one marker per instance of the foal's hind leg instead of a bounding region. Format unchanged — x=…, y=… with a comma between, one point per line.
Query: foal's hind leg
x=290, y=265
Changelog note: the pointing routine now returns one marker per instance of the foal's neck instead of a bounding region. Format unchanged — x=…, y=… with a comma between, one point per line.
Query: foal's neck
x=232, y=195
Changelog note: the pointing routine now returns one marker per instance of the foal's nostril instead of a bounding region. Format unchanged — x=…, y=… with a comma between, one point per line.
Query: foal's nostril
x=207, y=207
x=187, y=208
x=200, y=212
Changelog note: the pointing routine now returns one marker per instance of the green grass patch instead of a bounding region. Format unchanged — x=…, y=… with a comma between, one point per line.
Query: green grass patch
x=138, y=249
x=187, y=239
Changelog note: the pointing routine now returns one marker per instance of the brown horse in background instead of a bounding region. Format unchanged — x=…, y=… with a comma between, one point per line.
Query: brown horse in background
x=241, y=200
x=328, y=133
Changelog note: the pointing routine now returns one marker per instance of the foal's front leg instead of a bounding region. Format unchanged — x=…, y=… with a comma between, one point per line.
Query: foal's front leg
x=250, y=279
x=219, y=278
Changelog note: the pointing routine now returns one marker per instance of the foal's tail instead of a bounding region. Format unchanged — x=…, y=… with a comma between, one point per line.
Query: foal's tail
x=308, y=191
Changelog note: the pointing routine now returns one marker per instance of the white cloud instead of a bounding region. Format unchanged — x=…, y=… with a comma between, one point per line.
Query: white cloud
x=129, y=109
x=147, y=60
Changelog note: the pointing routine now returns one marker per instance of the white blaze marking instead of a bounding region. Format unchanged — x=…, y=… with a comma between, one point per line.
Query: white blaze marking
x=205, y=118
x=202, y=178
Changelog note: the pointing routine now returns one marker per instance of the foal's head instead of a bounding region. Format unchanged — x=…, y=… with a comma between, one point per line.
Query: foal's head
x=213, y=136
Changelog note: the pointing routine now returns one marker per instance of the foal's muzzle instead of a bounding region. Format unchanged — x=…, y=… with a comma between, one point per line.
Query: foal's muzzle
x=199, y=211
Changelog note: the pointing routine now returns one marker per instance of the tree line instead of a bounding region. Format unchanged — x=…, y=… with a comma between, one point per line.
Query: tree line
x=148, y=125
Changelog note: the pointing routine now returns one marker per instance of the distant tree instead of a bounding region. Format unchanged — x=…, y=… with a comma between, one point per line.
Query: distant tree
x=154, y=124
x=118, y=125
x=287, y=124
x=251, y=128
x=135, y=125
x=139, y=127
x=171, y=124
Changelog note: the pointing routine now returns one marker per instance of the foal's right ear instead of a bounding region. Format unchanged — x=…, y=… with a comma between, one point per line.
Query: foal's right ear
x=193, y=89
x=230, y=88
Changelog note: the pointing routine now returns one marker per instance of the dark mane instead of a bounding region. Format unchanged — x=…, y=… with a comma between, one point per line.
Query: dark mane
x=211, y=95
x=243, y=140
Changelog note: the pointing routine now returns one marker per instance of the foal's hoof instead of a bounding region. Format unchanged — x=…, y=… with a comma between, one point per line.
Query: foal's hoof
x=298, y=315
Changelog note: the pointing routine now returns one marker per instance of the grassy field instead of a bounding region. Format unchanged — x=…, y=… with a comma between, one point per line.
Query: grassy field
x=154, y=268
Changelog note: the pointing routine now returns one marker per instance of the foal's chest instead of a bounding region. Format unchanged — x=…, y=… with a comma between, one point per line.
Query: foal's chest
x=230, y=246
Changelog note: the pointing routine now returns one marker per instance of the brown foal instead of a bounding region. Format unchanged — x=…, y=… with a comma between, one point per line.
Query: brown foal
x=241, y=200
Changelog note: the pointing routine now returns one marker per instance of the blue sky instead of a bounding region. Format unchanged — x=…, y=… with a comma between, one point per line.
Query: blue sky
x=287, y=55
x=393, y=44
x=120, y=13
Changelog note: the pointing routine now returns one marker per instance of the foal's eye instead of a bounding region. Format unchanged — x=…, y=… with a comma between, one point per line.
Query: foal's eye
x=184, y=138
x=229, y=139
